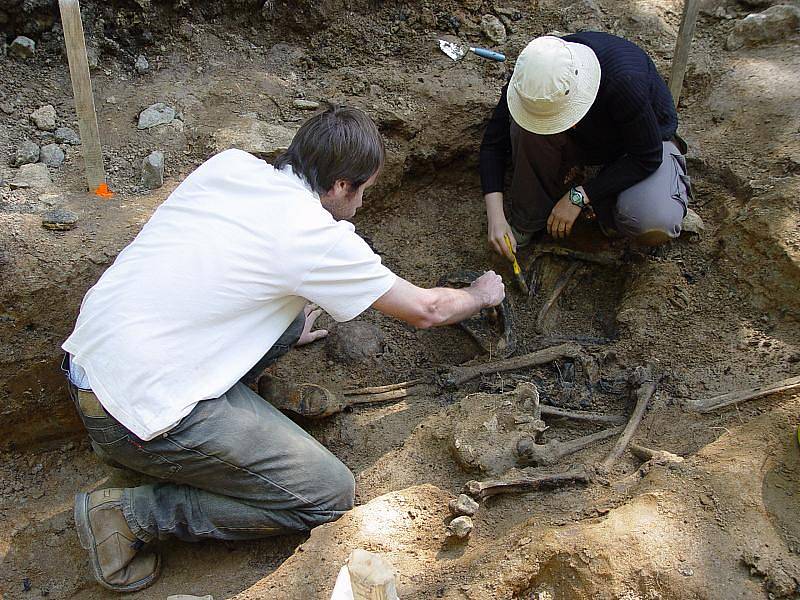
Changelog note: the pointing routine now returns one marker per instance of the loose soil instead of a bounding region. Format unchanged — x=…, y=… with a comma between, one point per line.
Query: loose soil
x=708, y=313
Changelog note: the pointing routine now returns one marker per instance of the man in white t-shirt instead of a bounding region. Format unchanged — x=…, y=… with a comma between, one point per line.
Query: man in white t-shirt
x=214, y=288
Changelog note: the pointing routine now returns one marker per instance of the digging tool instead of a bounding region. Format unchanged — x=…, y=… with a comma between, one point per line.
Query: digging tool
x=457, y=51
x=530, y=453
x=515, y=265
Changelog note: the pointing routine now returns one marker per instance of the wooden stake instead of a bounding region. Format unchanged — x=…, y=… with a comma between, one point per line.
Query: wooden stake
x=717, y=402
x=82, y=90
x=371, y=576
x=681, y=56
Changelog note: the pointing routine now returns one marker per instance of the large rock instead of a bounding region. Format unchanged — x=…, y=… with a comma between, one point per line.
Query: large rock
x=27, y=153
x=65, y=135
x=141, y=65
x=32, y=176
x=44, y=118
x=52, y=155
x=22, y=47
x=156, y=114
x=493, y=28
x=355, y=342
x=153, y=170
x=775, y=23
x=266, y=140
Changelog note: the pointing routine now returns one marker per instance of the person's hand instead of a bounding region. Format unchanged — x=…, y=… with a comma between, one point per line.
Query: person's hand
x=562, y=218
x=489, y=288
x=498, y=229
x=312, y=313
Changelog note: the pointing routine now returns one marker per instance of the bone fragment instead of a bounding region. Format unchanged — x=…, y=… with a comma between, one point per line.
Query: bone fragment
x=462, y=374
x=643, y=453
x=480, y=490
x=382, y=388
x=643, y=395
x=561, y=284
x=715, y=403
x=460, y=527
x=600, y=259
x=531, y=453
x=580, y=415
x=352, y=400
x=371, y=576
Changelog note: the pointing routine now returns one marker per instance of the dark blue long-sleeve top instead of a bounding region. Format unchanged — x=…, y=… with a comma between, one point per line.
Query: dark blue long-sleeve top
x=623, y=130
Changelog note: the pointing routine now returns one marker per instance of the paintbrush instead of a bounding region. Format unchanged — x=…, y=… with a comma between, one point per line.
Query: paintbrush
x=515, y=265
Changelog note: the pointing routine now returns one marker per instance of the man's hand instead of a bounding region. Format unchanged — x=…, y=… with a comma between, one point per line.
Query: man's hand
x=562, y=218
x=312, y=314
x=489, y=288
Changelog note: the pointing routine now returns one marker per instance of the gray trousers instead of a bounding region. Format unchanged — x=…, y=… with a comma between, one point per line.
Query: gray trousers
x=542, y=165
x=235, y=468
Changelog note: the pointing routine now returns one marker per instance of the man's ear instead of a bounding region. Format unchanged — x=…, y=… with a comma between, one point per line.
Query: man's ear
x=341, y=187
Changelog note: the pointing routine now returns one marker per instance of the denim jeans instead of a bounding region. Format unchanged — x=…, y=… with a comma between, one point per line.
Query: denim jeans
x=235, y=468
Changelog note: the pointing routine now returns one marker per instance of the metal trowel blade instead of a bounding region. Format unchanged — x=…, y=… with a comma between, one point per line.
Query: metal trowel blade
x=452, y=49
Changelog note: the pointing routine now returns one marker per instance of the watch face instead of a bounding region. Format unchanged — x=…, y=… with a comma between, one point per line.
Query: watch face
x=576, y=198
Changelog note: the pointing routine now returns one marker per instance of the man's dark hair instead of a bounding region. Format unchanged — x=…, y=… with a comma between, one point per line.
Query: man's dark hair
x=339, y=143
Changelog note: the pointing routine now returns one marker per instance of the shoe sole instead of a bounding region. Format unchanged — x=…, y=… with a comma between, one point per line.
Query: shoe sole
x=86, y=538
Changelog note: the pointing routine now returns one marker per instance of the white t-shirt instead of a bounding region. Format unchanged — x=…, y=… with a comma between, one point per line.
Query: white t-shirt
x=210, y=283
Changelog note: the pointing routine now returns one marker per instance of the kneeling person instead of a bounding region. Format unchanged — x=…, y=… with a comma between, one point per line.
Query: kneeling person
x=213, y=289
x=589, y=98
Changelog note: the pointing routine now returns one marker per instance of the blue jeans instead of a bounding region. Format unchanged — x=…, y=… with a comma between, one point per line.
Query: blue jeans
x=235, y=468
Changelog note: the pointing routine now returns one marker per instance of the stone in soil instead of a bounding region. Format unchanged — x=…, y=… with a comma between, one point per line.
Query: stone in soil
x=153, y=170
x=265, y=140
x=141, y=65
x=52, y=155
x=305, y=104
x=59, y=219
x=355, y=342
x=65, y=135
x=692, y=223
x=22, y=47
x=156, y=114
x=27, y=153
x=44, y=118
x=32, y=176
x=493, y=29
x=460, y=528
x=463, y=506
x=775, y=23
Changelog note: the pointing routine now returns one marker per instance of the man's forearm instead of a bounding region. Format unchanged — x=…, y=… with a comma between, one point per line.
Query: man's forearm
x=494, y=206
x=448, y=305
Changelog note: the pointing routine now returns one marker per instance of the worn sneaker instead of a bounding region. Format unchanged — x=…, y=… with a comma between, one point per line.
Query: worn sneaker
x=305, y=399
x=114, y=552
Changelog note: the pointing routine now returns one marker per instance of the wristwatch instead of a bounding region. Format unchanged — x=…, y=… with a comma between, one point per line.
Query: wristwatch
x=578, y=198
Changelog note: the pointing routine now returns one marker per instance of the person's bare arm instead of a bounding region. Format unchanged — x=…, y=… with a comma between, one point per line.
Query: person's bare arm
x=433, y=307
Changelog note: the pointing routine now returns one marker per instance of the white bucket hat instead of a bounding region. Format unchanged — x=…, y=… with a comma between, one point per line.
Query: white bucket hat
x=553, y=86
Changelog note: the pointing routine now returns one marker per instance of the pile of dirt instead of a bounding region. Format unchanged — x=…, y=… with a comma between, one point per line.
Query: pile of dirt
x=710, y=312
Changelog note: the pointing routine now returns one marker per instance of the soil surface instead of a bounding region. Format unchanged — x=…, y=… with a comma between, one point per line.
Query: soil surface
x=709, y=313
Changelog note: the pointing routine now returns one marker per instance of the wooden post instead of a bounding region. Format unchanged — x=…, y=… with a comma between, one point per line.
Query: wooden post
x=682, y=45
x=371, y=577
x=84, y=100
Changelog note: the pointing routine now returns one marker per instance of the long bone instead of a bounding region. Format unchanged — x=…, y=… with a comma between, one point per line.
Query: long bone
x=531, y=453
x=480, y=490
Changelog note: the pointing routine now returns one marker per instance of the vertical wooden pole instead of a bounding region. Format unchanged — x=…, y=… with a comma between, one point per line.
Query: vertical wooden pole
x=682, y=45
x=84, y=99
